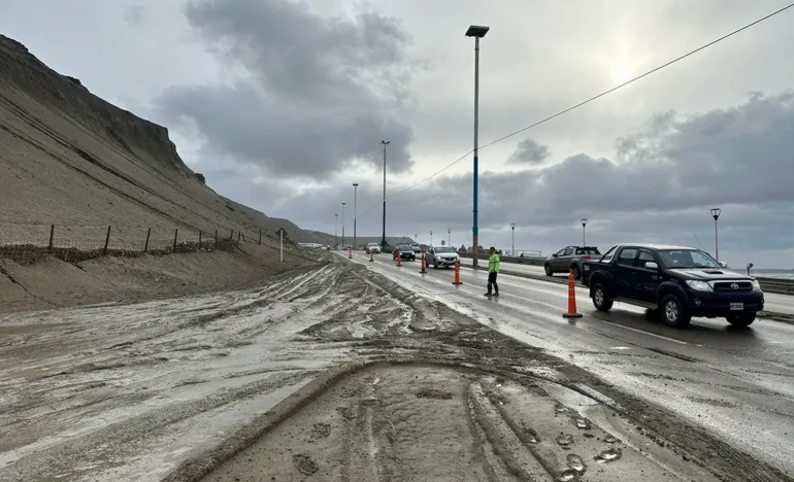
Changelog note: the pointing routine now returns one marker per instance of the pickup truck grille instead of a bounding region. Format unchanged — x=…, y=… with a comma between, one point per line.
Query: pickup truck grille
x=733, y=286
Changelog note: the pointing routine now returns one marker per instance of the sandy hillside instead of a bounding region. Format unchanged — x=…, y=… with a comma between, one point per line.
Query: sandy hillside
x=69, y=158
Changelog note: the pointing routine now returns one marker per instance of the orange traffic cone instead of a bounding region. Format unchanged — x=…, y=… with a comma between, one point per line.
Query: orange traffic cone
x=423, y=270
x=350, y=253
x=456, y=280
x=398, y=258
x=571, y=298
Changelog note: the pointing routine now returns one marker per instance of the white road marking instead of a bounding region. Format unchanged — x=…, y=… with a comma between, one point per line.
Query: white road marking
x=644, y=332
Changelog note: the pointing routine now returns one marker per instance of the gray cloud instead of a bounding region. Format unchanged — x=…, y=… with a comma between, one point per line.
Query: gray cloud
x=322, y=91
x=659, y=188
x=529, y=152
x=134, y=15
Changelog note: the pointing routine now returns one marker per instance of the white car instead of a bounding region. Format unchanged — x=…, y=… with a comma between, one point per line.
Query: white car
x=373, y=248
x=441, y=256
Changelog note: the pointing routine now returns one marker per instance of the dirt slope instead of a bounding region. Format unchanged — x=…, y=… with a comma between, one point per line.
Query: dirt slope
x=70, y=158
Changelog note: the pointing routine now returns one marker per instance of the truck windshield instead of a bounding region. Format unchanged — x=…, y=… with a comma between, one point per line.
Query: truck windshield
x=687, y=259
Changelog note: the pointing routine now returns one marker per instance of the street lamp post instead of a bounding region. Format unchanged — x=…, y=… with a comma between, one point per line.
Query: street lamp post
x=513, y=240
x=431, y=237
x=584, y=235
x=355, y=209
x=715, y=213
x=449, y=236
x=383, y=239
x=336, y=229
x=477, y=32
x=343, y=225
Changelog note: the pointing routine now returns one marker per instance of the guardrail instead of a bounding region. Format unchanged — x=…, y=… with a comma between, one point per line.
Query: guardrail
x=777, y=285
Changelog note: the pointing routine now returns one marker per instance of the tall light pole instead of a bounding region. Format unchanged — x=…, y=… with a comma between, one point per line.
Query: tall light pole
x=343, y=225
x=477, y=32
x=355, y=209
x=715, y=213
x=431, y=237
x=513, y=241
x=383, y=239
x=449, y=236
x=336, y=229
x=584, y=236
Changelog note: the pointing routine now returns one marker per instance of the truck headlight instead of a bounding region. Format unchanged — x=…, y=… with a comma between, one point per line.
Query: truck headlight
x=756, y=286
x=698, y=285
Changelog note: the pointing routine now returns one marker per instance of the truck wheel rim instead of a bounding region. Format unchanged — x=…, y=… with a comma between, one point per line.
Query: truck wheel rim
x=671, y=310
x=599, y=296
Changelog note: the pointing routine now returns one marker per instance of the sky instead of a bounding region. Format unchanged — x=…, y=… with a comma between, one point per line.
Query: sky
x=283, y=105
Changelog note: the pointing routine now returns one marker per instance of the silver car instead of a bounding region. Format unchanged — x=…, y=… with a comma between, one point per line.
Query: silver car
x=570, y=258
x=441, y=256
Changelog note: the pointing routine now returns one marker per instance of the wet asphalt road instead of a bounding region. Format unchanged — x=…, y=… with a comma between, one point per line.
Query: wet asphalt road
x=736, y=383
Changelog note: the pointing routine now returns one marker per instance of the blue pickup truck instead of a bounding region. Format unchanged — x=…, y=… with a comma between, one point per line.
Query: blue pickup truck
x=679, y=282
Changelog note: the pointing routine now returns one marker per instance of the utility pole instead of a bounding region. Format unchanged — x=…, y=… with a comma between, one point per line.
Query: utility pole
x=383, y=239
x=343, y=225
x=355, y=209
x=513, y=245
x=477, y=32
x=715, y=213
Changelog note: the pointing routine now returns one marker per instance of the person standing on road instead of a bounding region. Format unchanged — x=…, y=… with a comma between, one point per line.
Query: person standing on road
x=493, y=270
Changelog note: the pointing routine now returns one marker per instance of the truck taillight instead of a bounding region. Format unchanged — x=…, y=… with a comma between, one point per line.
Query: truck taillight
x=586, y=258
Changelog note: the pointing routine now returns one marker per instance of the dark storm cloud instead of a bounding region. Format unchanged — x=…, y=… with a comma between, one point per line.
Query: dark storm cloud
x=323, y=91
x=529, y=152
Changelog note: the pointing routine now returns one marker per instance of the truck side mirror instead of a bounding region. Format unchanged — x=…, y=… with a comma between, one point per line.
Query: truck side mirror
x=724, y=264
x=554, y=255
x=651, y=265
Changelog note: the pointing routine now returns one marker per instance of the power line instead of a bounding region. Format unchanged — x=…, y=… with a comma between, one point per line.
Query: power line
x=591, y=99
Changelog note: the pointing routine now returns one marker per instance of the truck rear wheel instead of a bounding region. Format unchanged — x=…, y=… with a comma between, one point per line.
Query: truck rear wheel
x=674, y=313
x=741, y=319
x=600, y=299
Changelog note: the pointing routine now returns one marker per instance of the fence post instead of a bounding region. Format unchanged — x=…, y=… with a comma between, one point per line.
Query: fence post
x=176, y=233
x=216, y=236
x=52, y=233
x=107, y=240
x=260, y=235
x=146, y=246
x=199, y=239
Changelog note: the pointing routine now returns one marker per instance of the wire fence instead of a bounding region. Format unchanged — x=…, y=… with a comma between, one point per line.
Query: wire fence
x=26, y=243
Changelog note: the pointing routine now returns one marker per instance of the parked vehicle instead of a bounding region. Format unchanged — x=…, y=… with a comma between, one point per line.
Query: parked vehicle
x=373, y=248
x=680, y=282
x=416, y=247
x=441, y=256
x=569, y=259
x=405, y=251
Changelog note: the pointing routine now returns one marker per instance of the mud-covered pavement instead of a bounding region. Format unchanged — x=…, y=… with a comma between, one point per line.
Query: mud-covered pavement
x=333, y=373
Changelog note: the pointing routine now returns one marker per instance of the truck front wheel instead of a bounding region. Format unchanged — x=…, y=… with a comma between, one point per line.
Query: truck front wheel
x=674, y=313
x=600, y=299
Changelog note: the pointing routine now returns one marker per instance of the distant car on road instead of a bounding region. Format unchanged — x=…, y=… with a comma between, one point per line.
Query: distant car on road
x=406, y=252
x=416, y=247
x=570, y=258
x=441, y=256
x=677, y=281
x=373, y=248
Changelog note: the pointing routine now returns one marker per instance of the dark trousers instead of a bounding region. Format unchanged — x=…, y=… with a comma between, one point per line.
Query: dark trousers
x=492, y=281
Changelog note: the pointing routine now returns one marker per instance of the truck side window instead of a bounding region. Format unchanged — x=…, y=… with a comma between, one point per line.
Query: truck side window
x=644, y=257
x=626, y=257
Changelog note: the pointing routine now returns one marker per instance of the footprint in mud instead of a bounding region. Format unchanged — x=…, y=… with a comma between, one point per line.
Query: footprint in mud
x=610, y=439
x=369, y=402
x=532, y=436
x=433, y=393
x=560, y=408
x=346, y=413
x=608, y=455
x=565, y=440
x=568, y=476
x=576, y=463
x=304, y=464
x=321, y=430
x=583, y=423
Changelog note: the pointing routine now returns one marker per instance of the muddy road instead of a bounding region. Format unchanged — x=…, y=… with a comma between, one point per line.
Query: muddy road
x=330, y=373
